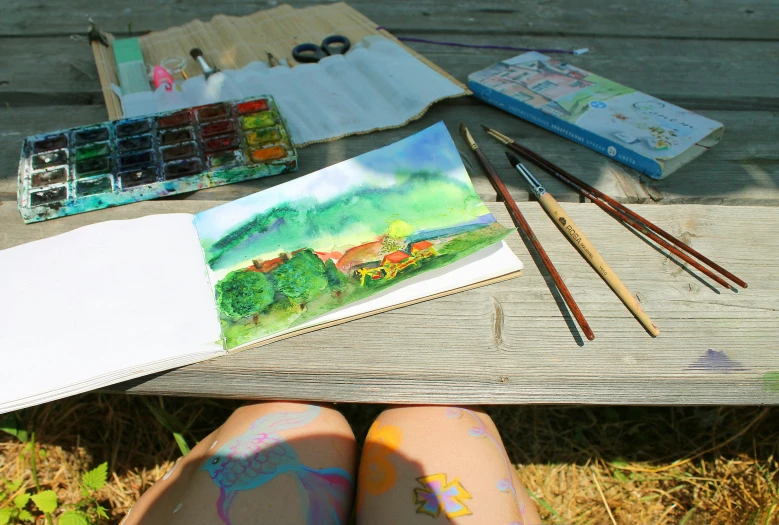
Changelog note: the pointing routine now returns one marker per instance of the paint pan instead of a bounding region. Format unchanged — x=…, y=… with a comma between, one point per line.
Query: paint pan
x=92, y=167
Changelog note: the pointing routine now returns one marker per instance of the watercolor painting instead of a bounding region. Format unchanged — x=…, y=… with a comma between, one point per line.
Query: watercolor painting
x=289, y=254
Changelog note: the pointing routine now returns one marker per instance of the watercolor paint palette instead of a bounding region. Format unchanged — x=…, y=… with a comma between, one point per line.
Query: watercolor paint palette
x=93, y=167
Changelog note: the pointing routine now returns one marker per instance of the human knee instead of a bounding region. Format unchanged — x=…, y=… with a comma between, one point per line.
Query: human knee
x=319, y=419
x=429, y=417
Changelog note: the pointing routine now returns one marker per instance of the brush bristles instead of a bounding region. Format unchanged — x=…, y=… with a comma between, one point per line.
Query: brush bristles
x=513, y=159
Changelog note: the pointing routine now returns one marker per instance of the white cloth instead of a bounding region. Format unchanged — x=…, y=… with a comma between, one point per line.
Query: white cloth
x=376, y=85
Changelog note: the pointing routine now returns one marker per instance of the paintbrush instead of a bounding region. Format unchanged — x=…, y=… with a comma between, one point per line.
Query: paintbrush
x=524, y=227
x=197, y=54
x=585, y=247
x=621, y=212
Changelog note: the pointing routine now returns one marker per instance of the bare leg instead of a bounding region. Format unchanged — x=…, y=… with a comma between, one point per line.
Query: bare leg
x=438, y=464
x=269, y=463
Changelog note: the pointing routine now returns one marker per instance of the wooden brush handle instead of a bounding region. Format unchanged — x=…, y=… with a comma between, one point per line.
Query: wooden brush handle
x=572, y=231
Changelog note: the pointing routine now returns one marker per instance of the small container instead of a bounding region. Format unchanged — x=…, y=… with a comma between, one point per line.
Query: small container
x=215, y=112
x=253, y=106
x=136, y=160
x=135, y=178
x=180, y=151
x=184, y=168
x=94, y=166
x=217, y=128
x=100, y=149
x=50, y=159
x=134, y=143
x=225, y=160
x=221, y=144
x=176, y=120
x=266, y=154
x=175, y=136
x=47, y=178
x=85, y=136
x=128, y=128
x=264, y=136
x=55, y=194
x=94, y=186
x=49, y=143
x=258, y=120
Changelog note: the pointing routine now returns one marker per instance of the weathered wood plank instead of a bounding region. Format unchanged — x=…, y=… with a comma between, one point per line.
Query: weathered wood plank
x=697, y=74
x=509, y=342
x=753, y=20
x=742, y=169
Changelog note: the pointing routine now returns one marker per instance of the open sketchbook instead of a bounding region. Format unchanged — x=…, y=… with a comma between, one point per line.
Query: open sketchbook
x=121, y=299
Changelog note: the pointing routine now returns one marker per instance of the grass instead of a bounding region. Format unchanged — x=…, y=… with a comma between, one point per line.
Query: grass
x=686, y=465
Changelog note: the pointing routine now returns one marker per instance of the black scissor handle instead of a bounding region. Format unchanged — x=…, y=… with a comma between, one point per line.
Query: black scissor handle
x=342, y=45
x=308, y=53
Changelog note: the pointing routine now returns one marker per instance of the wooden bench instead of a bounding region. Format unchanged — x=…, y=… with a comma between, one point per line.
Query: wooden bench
x=512, y=342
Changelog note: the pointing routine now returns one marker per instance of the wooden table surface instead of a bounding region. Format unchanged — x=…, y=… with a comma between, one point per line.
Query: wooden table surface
x=511, y=342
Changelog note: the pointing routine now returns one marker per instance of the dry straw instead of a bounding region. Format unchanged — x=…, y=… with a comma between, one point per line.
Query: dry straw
x=582, y=465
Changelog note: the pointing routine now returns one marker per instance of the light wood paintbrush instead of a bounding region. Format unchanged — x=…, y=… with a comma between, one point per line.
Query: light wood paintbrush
x=585, y=247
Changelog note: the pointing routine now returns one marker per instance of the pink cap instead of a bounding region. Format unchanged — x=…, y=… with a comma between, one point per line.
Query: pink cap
x=162, y=78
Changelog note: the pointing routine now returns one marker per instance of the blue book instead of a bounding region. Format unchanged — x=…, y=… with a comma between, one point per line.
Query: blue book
x=631, y=127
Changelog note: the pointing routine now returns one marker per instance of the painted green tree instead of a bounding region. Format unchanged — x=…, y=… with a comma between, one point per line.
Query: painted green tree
x=302, y=277
x=242, y=293
x=335, y=277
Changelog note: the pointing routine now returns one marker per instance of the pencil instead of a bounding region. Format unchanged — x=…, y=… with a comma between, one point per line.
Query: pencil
x=594, y=194
x=585, y=247
x=522, y=224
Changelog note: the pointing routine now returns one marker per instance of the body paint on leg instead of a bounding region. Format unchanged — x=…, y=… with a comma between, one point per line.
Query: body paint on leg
x=436, y=496
x=480, y=431
x=377, y=474
x=256, y=457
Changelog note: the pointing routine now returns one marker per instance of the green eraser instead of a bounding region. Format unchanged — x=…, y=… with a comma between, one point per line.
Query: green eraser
x=127, y=50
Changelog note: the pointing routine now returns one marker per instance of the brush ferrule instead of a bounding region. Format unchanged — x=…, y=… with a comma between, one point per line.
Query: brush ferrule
x=498, y=135
x=468, y=138
x=535, y=186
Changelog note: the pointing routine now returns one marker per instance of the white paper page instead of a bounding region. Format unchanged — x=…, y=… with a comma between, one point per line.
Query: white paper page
x=489, y=263
x=101, y=304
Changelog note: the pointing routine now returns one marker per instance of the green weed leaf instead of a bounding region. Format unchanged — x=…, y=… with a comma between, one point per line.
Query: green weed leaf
x=619, y=476
x=11, y=424
x=25, y=515
x=46, y=501
x=3, y=495
x=73, y=518
x=101, y=512
x=5, y=516
x=96, y=478
x=14, y=485
x=21, y=500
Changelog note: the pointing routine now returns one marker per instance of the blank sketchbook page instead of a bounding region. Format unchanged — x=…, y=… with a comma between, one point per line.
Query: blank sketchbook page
x=101, y=304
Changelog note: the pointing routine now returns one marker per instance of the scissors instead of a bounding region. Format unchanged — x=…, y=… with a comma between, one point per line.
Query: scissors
x=312, y=53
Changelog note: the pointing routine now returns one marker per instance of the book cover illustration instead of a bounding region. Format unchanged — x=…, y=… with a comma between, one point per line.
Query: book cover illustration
x=621, y=115
x=287, y=255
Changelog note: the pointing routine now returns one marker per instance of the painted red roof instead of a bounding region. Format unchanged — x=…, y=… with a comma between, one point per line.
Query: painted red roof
x=395, y=257
x=359, y=254
x=270, y=265
x=421, y=245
